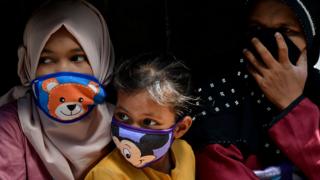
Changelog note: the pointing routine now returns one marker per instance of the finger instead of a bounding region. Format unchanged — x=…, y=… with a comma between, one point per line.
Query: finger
x=282, y=48
x=302, y=61
x=253, y=61
x=256, y=75
x=264, y=53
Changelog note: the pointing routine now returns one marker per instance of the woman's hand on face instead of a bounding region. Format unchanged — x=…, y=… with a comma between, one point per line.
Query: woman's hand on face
x=280, y=80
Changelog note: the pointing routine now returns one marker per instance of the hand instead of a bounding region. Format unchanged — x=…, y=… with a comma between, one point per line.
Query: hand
x=281, y=81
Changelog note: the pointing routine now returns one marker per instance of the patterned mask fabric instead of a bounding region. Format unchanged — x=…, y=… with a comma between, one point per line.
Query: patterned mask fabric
x=67, y=97
x=141, y=146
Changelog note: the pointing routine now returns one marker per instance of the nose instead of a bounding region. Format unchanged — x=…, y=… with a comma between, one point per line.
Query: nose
x=135, y=124
x=71, y=107
x=64, y=65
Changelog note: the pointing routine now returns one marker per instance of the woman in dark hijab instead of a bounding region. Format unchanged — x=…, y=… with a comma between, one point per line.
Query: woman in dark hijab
x=265, y=125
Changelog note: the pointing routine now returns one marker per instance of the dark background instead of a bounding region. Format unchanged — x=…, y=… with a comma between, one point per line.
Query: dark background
x=204, y=33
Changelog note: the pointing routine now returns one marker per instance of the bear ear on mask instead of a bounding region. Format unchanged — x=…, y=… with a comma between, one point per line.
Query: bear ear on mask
x=266, y=37
x=49, y=84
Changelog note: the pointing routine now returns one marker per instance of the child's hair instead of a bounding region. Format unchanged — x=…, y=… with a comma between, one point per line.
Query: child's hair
x=165, y=78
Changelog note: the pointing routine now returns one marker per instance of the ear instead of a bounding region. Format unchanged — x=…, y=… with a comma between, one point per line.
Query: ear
x=146, y=159
x=94, y=86
x=182, y=127
x=49, y=84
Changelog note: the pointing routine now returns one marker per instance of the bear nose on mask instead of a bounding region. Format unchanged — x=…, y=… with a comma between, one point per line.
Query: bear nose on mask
x=71, y=107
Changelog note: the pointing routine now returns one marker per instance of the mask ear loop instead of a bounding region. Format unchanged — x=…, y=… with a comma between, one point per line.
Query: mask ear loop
x=33, y=88
x=178, y=119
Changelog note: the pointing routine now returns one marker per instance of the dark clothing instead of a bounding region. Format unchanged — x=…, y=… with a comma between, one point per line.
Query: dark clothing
x=296, y=134
x=237, y=130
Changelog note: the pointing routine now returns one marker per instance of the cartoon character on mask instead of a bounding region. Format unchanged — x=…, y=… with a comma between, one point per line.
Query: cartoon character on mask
x=66, y=96
x=140, y=146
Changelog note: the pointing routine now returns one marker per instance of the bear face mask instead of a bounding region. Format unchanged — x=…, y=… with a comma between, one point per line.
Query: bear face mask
x=67, y=97
x=140, y=146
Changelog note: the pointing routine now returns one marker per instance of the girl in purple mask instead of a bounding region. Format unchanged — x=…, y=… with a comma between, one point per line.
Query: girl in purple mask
x=150, y=115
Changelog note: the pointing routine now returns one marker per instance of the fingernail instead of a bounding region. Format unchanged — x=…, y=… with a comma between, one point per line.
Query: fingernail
x=254, y=39
x=244, y=50
x=277, y=34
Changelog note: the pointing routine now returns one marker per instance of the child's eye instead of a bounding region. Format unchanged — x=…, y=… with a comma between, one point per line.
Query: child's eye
x=149, y=122
x=45, y=60
x=78, y=58
x=122, y=117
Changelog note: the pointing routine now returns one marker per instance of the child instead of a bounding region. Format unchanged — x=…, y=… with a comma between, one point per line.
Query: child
x=255, y=134
x=150, y=116
x=55, y=127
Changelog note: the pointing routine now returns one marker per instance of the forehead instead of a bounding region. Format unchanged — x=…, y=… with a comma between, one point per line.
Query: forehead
x=272, y=12
x=62, y=37
x=141, y=104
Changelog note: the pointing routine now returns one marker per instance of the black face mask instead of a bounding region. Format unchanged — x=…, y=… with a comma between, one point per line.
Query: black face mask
x=266, y=36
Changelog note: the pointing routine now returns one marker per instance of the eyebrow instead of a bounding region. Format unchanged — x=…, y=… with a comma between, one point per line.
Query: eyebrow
x=286, y=24
x=77, y=50
x=123, y=109
x=145, y=114
x=290, y=25
x=46, y=51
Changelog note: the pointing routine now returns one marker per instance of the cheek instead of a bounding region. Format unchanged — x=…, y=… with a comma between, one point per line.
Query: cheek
x=44, y=70
x=84, y=67
x=299, y=41
x=53, y=103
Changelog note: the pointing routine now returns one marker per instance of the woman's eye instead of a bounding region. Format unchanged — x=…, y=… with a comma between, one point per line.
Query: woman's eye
x=45, y=60
x=79, y=58
x=149, y=122
x=290, y=32
x=285, y=30
x=122, y=117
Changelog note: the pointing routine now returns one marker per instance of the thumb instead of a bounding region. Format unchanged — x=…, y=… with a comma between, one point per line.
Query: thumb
x=302, y=61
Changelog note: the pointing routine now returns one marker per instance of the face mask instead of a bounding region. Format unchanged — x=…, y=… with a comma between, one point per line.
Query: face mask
x=141, y=146
x=266, y=36
x=67, y=97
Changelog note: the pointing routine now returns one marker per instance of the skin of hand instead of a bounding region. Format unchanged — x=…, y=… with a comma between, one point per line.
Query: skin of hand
x=281, y=81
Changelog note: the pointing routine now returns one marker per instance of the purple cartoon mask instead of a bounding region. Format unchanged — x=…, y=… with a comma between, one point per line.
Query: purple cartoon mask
x=141, y=146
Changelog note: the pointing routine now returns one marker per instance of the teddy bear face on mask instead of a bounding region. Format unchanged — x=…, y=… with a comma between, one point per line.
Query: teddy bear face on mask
x=67, y=97
x=70, y=100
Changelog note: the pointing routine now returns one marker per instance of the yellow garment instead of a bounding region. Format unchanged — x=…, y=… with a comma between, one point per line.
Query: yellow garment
x=114, y=166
